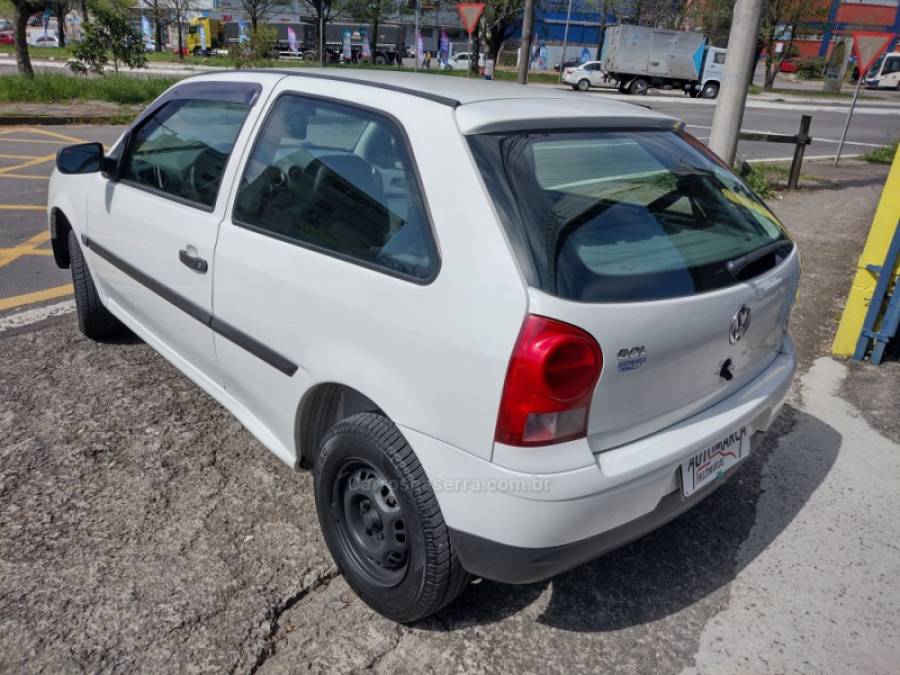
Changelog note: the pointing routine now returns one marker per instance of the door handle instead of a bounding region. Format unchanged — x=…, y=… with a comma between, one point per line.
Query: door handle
x=196, y=263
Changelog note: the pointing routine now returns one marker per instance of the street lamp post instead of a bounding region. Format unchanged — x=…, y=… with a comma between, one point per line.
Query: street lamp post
x=562, y=59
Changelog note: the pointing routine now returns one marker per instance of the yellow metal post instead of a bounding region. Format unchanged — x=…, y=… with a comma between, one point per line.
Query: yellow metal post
x=877, y=243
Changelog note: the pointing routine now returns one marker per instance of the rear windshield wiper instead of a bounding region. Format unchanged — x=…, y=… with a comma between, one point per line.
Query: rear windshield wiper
x=735, y=266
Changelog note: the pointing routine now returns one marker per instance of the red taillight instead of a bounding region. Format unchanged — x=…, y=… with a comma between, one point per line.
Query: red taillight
x=551, y=376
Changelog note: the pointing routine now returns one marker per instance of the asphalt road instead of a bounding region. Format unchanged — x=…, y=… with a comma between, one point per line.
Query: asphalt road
x=142, y=529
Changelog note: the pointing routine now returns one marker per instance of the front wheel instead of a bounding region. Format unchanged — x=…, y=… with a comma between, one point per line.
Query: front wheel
x=710, y=90
x=638, y=87
x=94, y=320
x=382, y=522
x=583, y=85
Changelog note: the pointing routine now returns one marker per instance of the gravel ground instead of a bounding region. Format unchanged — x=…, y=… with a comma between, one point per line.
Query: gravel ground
x=142, y=528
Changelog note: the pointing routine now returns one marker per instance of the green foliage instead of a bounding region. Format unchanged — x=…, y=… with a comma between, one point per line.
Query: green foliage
x=759, y=179
x=882, y=155
x=811, y=69
x=108, y=37
x=60, y=87
x=256, y=51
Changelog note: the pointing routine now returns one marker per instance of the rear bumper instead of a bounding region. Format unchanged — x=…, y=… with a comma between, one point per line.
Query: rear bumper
x=519, y=565
x=517, y=525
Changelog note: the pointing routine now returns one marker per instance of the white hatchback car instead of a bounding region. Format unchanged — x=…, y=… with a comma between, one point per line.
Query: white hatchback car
x=506, y=374
x=584, y=76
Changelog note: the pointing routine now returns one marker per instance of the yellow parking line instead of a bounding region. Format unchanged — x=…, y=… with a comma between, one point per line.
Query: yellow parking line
x=4, y=156
x=25, y=165
x=7, y=255
x=24, y=176
x=22, y=207
x=36, y=296
x=33, y=140
x=52, y=134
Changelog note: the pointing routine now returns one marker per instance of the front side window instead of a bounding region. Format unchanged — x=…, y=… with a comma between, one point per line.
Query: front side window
x=719, y=57
x=339, y=179
x=616, y=216
x=182, y=150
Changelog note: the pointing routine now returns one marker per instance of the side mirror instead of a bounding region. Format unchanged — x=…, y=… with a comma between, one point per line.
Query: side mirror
x=83, y=158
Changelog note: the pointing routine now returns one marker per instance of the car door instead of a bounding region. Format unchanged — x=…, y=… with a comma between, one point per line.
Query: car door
x=153, y=225
x=328, y=222
x=595, y=74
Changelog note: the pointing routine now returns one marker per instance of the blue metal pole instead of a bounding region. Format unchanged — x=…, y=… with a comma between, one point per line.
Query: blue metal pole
x=829, y=27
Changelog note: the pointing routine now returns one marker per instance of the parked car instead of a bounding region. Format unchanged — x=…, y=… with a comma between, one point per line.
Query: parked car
x=584, y=76
x=7, y=37
x=460, y=61
x=790, y=66
x=44, y=41
x=570, y=63
x=505, y=385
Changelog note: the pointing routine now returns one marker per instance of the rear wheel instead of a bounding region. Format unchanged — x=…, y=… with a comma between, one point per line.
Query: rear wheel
x=382, y=522
x=710, y=90
x=638, y=87
x=94, y=320
x=583, y=85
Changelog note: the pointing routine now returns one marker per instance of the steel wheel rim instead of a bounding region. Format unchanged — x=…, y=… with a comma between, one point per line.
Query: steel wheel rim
x=371, y=523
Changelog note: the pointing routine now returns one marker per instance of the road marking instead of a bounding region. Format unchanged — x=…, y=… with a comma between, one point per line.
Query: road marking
x=24, y=176
x=22, y=207
x=757, y=160
x=36, y=296
x=7, y=255
x=5, y=156
x=52, y=134
x=29, y=316
x=25, y=165
x=33, y=140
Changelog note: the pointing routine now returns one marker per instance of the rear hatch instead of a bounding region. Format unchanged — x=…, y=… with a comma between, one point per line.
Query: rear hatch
x=641, y=238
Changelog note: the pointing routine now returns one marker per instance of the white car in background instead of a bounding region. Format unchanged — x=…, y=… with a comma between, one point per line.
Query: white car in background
x=460, y=61
x=504, y=375
x=885, y=72
x=585, y=76
x=40, y=40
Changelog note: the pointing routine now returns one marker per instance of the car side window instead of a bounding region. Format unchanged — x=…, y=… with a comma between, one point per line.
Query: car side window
x=719, y=57
x=339, y=179
x=183, y=148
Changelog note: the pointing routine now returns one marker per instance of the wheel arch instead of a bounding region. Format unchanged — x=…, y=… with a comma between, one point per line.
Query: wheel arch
x=60, y=226
x=322, y=406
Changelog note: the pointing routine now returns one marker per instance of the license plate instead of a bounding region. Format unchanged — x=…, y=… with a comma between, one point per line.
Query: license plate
x=711, y=463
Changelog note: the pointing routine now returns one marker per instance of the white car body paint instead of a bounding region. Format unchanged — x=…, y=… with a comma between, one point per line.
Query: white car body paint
x=433, y=356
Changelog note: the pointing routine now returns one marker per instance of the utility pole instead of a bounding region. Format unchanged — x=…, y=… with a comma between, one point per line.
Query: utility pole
x=729, y=114
x=562, y=59
x=525, y=46
x=416, y=40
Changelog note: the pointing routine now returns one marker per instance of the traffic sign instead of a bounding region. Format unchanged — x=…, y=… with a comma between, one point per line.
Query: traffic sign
x=469, y=13
x=868, y=46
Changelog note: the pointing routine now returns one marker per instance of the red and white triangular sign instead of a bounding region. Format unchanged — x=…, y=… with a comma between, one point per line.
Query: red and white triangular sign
x=867, y=46
x=469, y=13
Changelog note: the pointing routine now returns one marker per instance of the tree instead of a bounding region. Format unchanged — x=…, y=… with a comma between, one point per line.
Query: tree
x=258, y=11
x=657, y=13
x=109, y=37
x=323, y=11
x=501, y=19
x=60, y=9
x=371, y=12
x=23, y=11
x=179, y=10
x=780, y=20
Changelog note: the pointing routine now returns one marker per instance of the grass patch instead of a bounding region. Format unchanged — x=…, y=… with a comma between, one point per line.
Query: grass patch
x=883, y=155
x=60, y=87
x=761, y=178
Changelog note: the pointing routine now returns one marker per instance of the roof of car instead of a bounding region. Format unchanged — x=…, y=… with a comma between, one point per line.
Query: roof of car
x=484, y=105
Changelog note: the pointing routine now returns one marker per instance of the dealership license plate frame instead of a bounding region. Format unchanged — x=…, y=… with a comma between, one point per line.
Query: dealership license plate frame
x=713, y=461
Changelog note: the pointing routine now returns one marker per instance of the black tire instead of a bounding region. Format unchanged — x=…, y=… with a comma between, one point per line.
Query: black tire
x=382, y=522
x=710, y=90
x=638, y=87
x=583, y=84
x=94, y=320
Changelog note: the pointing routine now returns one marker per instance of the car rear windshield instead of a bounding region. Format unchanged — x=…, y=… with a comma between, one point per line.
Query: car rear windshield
x=620, y=216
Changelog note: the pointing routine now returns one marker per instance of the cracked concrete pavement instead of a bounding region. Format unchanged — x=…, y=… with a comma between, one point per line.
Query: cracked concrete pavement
x=143, y=529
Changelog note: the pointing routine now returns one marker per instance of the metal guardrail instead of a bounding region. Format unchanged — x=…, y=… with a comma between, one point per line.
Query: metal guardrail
x=799, y=140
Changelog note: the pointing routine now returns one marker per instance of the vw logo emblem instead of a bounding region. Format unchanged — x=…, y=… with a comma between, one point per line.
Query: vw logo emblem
x=740, y=323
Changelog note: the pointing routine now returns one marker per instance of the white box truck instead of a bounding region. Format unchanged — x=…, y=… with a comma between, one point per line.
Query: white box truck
x=638, y=58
